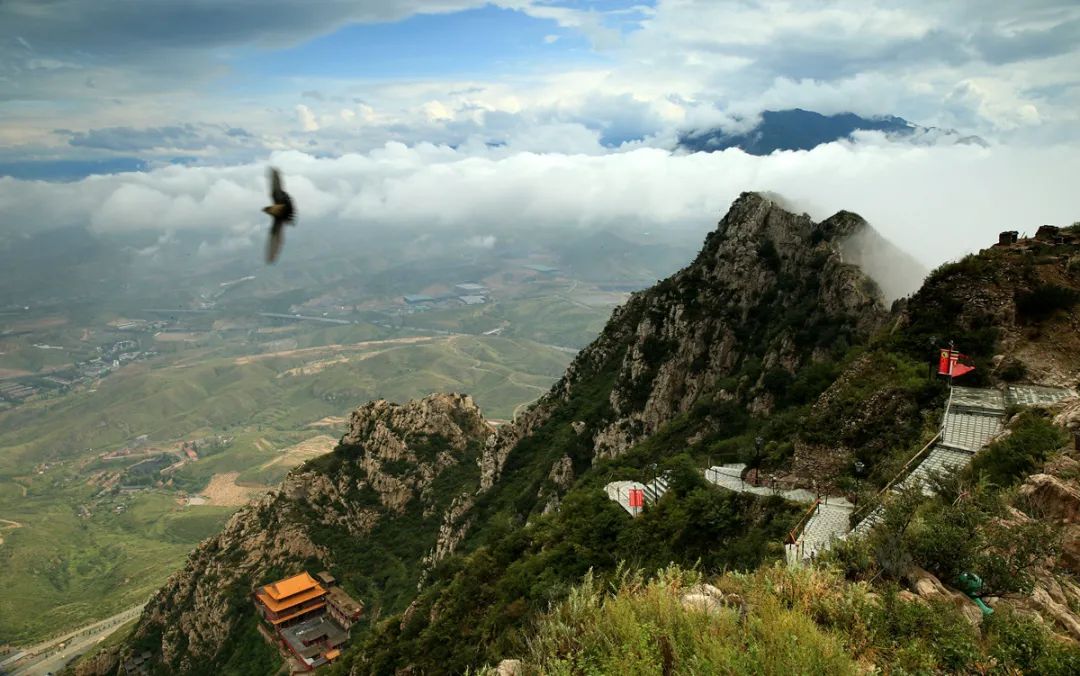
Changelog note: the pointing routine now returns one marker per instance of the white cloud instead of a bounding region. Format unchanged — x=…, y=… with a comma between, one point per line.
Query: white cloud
x=308, y=122
x=482, y=241
x=1002, y=71
x=938, y=202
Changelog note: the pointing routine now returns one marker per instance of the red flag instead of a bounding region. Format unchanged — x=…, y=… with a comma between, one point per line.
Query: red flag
x=637, y=497
x=949, y=364
x=959, y=369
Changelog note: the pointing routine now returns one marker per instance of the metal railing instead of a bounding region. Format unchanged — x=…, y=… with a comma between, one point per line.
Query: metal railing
x=902, y=473
x=793, y=535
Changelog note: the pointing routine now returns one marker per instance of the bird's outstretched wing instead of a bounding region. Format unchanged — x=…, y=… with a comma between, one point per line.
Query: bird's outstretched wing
x=277, y=193
x=277, y=238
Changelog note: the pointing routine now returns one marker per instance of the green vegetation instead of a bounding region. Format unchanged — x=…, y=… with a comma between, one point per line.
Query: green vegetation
x=776, y=621
x=554, y=316
x=1011, y=459
x=478, y=607
x=966, y=526
x=645, y=628
x=1044, y=301
x=83, y=568
x=62, y=570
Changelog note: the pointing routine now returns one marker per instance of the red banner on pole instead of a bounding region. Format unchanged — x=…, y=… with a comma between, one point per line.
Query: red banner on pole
x=949, y=363
x=637, y=497
x=944, y=362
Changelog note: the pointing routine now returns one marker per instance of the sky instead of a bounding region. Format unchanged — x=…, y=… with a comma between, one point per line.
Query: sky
x=434, y=113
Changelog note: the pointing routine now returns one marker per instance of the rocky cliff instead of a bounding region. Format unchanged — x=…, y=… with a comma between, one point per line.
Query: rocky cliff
x=710, y=353
x=769, y=292
x=377, y=500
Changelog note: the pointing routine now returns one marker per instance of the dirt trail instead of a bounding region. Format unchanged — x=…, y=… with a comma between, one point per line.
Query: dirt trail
x=12, y=525
x=328, y=421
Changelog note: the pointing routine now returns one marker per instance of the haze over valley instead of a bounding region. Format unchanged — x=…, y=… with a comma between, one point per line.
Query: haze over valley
x=543, y=251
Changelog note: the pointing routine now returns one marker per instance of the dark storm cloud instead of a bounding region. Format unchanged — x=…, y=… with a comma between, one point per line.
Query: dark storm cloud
x=47, y=46
x=1000, y=48
x=122, y=28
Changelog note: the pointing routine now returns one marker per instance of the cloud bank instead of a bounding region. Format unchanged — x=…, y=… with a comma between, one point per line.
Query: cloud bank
x=937, y=202
x=204, y=78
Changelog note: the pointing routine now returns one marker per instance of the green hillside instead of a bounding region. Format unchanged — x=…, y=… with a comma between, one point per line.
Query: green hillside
x=79, y=567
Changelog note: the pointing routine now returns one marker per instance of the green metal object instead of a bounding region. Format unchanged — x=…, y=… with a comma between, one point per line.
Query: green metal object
x=970, y=584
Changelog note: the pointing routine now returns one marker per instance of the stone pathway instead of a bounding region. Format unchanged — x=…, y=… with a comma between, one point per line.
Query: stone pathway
x=829, y=521
x=973, y=417
x=619, y=491
x=730, y=477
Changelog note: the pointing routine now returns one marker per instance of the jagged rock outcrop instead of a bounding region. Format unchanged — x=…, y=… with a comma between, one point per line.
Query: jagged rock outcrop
x=386, y=466
x=927, y=586
x=769, y=291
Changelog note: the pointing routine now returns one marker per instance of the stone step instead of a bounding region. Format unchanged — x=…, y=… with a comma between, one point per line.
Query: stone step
x=1036, y=395
x=970, y=431
x=977, y=399
x=940, y=460
x=829, y=523
x=869, y=521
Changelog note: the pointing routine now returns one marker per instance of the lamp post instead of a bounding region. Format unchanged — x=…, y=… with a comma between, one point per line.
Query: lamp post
x=655, y=496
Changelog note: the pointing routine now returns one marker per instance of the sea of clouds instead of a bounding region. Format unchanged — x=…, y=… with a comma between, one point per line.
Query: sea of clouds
x=936, y=202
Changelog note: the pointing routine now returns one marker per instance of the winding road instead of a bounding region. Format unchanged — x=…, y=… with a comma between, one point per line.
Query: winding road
x=51, y=656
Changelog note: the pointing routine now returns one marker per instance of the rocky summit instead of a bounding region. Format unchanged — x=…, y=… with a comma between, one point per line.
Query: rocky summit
x=773, y=351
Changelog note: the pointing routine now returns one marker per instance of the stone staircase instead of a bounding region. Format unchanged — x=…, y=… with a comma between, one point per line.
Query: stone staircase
x=829, y=520
x=619, y=491
x=973, y=417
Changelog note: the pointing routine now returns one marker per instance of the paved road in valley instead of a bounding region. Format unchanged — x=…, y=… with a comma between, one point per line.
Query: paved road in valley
x=52, y=655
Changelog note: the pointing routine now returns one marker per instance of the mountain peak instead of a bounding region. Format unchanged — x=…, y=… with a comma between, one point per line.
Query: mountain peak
x=799, y=129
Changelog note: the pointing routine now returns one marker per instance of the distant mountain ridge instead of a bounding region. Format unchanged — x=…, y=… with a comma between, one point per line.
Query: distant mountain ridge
x=798, y=129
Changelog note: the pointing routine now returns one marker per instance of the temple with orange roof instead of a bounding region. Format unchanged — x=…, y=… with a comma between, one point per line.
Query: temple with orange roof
x=310, y=620
x=290, y=600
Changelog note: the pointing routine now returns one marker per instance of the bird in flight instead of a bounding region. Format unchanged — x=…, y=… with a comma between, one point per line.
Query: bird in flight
x=283, y=212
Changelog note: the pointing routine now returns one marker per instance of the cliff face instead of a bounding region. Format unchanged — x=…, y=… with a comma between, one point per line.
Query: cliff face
x=397, y=469
x=769, y=294
x=770, y=291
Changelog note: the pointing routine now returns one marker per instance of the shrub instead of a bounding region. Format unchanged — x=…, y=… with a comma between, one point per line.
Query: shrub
x=644, y=628
x=1044, y=300
x=1013, y=371
x=1021, y=645
x=767, y=251
x=1007, y=461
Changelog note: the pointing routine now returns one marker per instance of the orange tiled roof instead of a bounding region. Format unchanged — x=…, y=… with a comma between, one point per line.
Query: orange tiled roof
x=298, y=613
x=291, y=585
x=278, y=606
